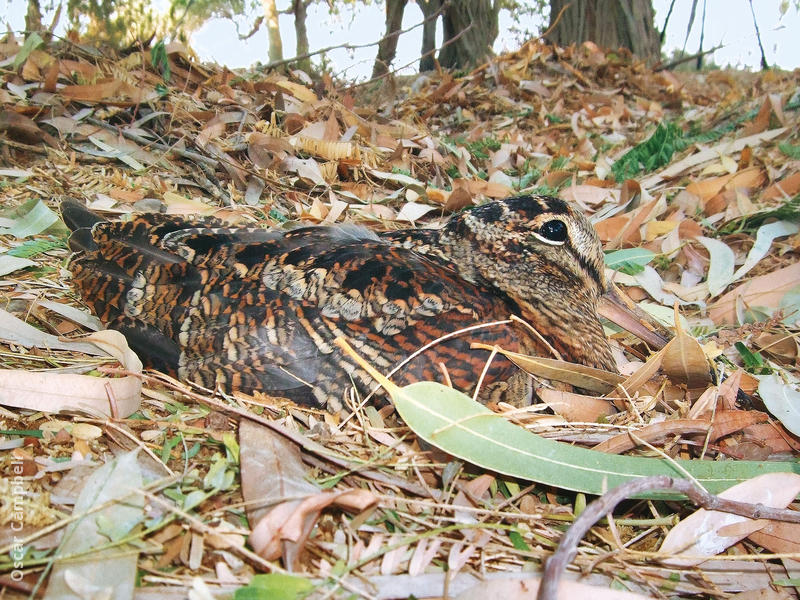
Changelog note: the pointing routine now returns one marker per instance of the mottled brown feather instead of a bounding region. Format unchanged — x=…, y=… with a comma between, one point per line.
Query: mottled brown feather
x=252, y=309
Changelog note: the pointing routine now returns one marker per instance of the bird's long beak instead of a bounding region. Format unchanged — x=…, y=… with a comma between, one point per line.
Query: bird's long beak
x=621, y=310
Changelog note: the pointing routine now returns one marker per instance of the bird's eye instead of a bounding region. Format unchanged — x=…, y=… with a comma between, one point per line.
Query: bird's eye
x=555, y=231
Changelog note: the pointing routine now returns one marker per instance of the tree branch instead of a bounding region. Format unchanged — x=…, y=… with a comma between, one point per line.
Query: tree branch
x=605, y=504
x=684, y=59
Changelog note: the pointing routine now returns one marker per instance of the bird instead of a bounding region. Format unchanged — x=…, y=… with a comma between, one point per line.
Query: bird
x=257, y=310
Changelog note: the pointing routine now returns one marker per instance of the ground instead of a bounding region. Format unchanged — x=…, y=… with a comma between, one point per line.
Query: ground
x=691, y=181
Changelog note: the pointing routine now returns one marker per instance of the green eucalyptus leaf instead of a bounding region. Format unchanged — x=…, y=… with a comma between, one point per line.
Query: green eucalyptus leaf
x=32, y=218
x=274, y=586
x=619, y=259
x=468, y=430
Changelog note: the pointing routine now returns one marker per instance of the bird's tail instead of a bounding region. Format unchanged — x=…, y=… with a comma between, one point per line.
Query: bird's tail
x=80, y=221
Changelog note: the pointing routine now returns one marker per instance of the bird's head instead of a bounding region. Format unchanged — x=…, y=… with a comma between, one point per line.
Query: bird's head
x=540, y=251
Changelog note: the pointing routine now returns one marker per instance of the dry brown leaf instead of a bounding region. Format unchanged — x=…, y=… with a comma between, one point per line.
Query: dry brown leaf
x=589, y=195
x=651, y=434
x=93, y=92
x=708, y=188
x=458, y=199
x=587, y=378
x=778, y=537
x=479, y=187
x=781, y=346
x=23, y=129
x=783, y=189
x=709, y=154
x=765, y=290
x=636, y=380
x=773, y=436
x=576, y=407
x=771, y=105
x=424, y=554
x=291, y=522
x=272, y=470
x=684, y=361
x=179, y=205
x=297, y=90
x=68, y=392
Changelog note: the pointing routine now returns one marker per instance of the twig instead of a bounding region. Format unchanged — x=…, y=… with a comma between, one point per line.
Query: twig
x=201, y=527
x=568, y=547
x=679, y=61
x=555, y=22
x=302, y=441
x=43, y=150
x=149, y=143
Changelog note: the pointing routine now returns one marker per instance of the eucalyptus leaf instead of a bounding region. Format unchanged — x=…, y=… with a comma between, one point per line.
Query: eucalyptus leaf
x=782, y=400
x=122, y=155
x=765, y=235
x=32, y=218
x=9, y=264
x=468, y=430
x=110, y=572
x=790, y=305
x=274, y=586
x=588, y=378
x=720, y=271
x=453, y=422
x=619, y=258
x=400, y=179
x=32, y=41
x=16, y=331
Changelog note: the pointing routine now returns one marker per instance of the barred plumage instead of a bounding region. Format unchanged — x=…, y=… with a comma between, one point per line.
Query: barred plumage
x=252, y=309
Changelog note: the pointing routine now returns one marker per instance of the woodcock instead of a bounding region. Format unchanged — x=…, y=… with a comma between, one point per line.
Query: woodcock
x=252, y=309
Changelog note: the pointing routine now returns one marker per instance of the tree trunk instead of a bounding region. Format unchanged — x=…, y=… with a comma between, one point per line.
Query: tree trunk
x=607, y=23
x=470, y=46
x=387, y=47
x=273, y=30
x=427, y=61
x=33, y=18
x=301, y=33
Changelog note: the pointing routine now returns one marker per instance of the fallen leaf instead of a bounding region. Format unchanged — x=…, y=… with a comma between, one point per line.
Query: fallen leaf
x=702, y=534
x=117, y=397
x=684, y=361
x=109, y=572
x=782, y=400
x=526, y=589
x=576, y=407
x=762, y=291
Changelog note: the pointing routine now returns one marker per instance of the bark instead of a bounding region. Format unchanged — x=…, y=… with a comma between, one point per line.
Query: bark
x=273, y=30
x=427, y=61
x=301, y=33
x=608, y=23
x=33, y=18
x=387, y=47
x=470, y=46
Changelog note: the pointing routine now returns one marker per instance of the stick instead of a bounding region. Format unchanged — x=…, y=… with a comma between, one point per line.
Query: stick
x=568, y=547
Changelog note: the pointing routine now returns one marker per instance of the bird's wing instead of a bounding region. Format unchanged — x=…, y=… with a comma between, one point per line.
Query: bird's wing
x=252, y=309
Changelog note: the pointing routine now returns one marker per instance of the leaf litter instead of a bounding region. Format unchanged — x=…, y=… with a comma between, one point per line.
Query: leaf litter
x=692, y=181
